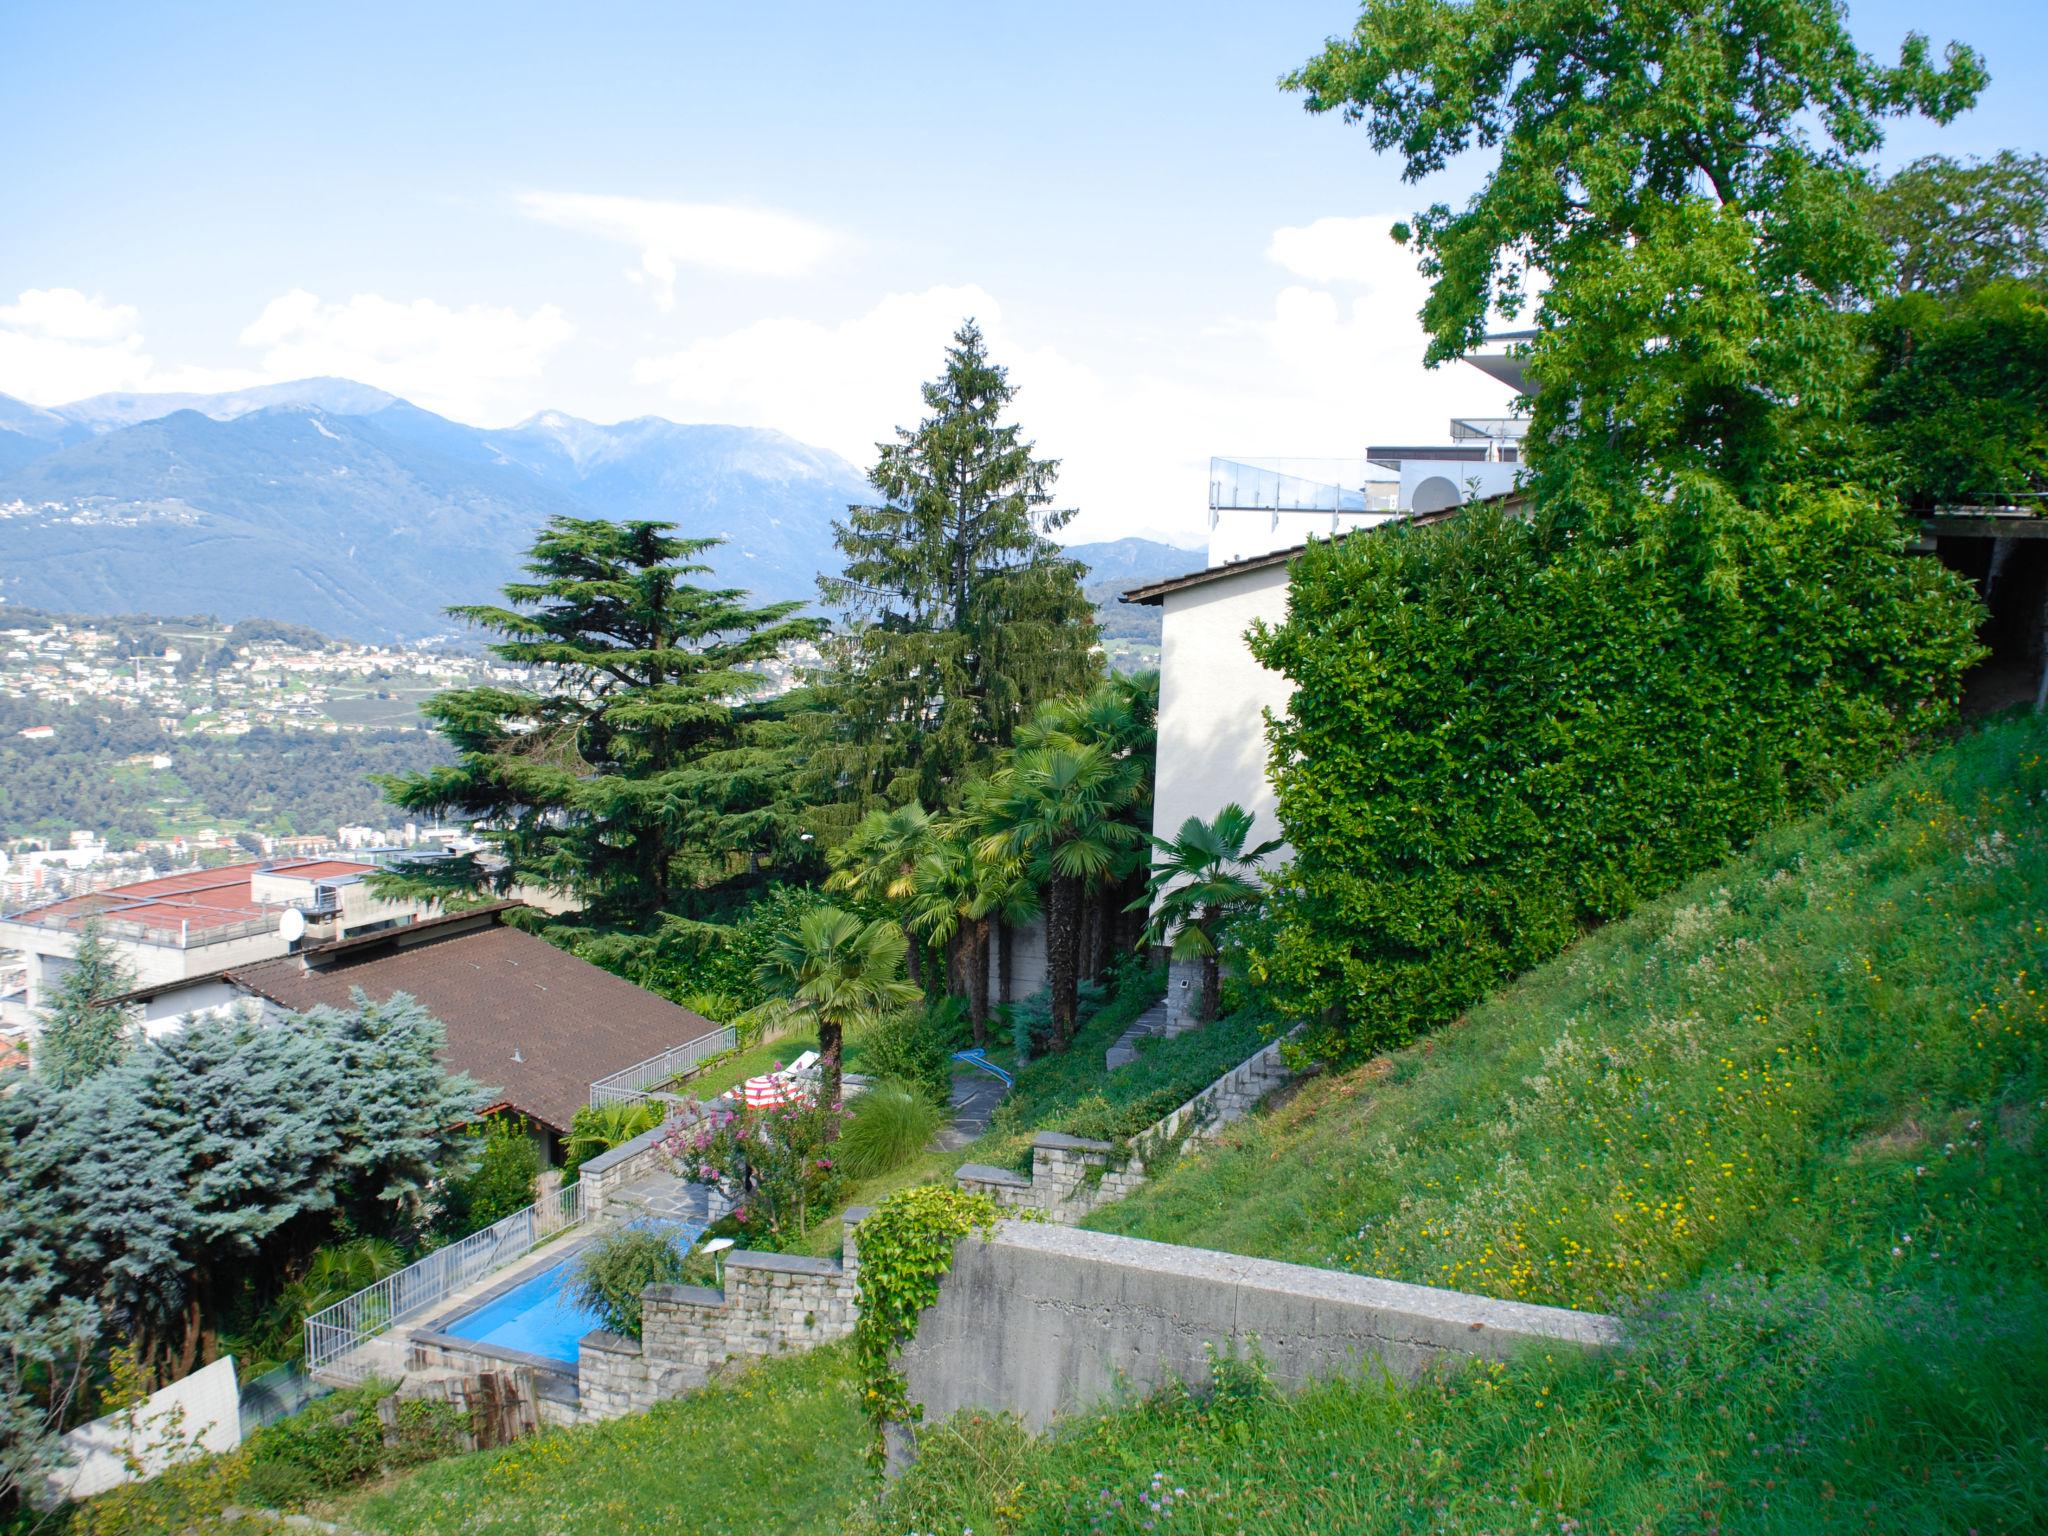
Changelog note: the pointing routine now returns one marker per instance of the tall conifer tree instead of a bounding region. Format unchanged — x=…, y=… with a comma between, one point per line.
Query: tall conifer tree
x=81, y=1033
x=961, y=614
x=638, y=764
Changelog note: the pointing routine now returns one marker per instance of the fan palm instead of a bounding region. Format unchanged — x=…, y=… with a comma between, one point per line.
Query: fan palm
x=835, y=971
x=1202, y=879
x=1055, y=808
x=877, y=862
x=1119, y=716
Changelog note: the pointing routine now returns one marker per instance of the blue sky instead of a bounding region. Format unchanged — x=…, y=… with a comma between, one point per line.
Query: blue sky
x=769, y=213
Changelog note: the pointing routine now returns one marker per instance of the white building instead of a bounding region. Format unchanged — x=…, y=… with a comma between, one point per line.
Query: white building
x=196, y=922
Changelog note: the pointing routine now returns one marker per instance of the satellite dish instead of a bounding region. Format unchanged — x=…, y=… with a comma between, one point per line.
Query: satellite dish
x=292, y=926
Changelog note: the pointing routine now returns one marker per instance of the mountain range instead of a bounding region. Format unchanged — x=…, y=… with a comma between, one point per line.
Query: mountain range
x=335, y=505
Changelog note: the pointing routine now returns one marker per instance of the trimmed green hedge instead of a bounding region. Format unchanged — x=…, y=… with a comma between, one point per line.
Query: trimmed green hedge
x=1503, y=732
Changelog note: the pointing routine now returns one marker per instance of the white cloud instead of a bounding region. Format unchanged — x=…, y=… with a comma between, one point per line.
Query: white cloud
x=65, y=314
x=477, y=363
x=1356, y=250
x=845, y=386
x=56, y=344
x=1320, y=374
x=669, y=236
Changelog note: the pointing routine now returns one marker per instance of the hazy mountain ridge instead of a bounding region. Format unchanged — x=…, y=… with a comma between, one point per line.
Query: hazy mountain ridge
x=369, y=521
x=332, y=504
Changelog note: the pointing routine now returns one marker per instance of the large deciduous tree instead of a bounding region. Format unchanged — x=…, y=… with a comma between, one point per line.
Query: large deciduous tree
x=636, y=765
x=1686, y=174
x=1952, y=226
x=961, y=615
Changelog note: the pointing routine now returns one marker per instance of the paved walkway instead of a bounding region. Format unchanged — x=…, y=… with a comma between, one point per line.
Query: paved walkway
x=975, y=1097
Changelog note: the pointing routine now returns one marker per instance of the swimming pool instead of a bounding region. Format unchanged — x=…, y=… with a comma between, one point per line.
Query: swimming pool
x=535, y=1317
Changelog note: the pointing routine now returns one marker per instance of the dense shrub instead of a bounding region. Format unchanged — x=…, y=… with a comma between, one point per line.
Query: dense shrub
x=503, y=1181
x=889, y=1125
x=916, y=1048
x=1503, y=732
x=599, y=1128
x=1031, y=1032
x=613, y=1271
x=333, y=1444
x=694, y=958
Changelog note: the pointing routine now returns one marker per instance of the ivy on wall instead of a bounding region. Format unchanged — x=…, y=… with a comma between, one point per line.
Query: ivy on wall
x=906, y=1247
x=1504, y=731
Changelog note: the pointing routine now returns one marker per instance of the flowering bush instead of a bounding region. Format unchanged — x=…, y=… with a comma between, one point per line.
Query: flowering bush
x=776, y=1165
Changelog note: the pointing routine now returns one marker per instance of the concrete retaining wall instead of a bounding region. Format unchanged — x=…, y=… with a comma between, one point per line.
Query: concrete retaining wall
x=771, y=1303
x=1043, y=1320
x=1071, y=1176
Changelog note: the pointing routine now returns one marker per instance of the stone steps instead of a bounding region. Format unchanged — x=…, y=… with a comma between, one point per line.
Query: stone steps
x=1150, y=1024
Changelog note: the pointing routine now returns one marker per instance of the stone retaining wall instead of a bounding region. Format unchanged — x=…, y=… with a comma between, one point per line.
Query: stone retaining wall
x=1042, y=1320
x=771, y=1303
x=629, y=1162
x=1071, y=1176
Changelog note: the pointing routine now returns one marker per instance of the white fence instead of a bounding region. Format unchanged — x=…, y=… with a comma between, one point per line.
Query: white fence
x=639, y=1080
x=335, y=1337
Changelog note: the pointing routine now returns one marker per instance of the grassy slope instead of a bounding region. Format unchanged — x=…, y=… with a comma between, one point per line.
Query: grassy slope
x=1790, y=1120
x=776, y=1449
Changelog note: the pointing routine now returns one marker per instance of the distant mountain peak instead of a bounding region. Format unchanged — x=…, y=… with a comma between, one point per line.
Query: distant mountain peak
x=340, y=397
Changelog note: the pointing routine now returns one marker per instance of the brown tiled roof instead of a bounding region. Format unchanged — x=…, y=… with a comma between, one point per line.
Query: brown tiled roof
x=498, y=991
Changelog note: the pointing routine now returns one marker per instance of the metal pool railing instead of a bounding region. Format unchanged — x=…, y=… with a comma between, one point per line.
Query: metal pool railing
x=636, y=1081
x=336, y=1336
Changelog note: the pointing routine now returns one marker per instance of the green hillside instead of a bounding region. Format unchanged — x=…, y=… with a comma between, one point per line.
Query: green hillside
x=1788, y=1120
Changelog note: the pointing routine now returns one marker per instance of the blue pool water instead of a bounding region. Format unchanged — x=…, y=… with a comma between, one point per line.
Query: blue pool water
x=536, y=1317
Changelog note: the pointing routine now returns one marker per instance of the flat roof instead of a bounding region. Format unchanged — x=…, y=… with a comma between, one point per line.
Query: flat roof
x=1158, y=591
x=190, y=899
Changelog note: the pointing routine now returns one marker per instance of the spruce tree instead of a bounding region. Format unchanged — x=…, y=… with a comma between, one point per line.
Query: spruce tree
x=637, y=764
x=961, y=614
x=82, y=1034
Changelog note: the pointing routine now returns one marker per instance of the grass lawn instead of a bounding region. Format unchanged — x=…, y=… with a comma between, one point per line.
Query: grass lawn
x=775, y=1449
x=1792, y=1122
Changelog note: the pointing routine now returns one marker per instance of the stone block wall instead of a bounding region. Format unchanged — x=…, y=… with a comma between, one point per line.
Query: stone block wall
x=1071, y=1176
x=629, y=1162
x=770, y=1303
x=1043, y=1320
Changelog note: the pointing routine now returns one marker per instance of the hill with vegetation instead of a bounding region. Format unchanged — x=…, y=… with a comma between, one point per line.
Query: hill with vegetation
x=1787, y=1120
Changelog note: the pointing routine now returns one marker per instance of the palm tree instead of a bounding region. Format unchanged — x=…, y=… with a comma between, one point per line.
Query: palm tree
x=1056, y=809
x=1204, y=878
x=1120, y=716
x=602, y=1127
x=958, y=896
x=875, y=864
x=833, y=970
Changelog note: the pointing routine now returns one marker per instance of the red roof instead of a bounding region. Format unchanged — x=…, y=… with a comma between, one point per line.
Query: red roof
x=193, y=898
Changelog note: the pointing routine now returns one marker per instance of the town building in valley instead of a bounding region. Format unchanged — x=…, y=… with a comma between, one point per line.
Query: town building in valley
x=195, y=922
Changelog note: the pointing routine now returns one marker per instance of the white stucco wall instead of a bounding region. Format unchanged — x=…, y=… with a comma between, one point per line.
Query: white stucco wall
x=198, y=1414
x=1212, y=701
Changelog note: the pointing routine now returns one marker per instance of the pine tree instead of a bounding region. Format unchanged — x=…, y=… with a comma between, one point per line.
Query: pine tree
x=82, y=1034
x=638, y=765
x=398, y=1110
x=961, y=614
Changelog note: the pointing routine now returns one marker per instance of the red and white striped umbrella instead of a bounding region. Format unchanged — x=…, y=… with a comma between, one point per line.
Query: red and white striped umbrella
x=768, y=1090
